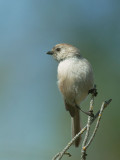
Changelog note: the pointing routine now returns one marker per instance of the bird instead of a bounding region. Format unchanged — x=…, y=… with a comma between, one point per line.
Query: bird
x=75, y=80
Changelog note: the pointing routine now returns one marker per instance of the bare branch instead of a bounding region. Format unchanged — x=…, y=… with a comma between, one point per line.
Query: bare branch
x=83, y=150
x=104, y=104
x=59, y=155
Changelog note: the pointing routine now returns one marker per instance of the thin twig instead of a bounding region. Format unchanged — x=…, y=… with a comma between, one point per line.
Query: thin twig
x=104, y=104
x=83, y=150
x=56, y=156
x=60, y=154
x=69, y=144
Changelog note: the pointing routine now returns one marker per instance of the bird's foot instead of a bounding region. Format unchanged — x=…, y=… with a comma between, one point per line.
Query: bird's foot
x=89, y=113
x=93, y=91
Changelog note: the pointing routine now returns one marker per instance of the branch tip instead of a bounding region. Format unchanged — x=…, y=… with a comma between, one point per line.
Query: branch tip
x=91, y=119
x=108, y=102
x=68, y=154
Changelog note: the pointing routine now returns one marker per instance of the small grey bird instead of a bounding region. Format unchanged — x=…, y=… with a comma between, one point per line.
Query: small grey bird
x=75, y=79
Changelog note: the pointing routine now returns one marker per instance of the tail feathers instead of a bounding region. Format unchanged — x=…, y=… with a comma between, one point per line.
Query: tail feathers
x=75, y=117
x=76, y=127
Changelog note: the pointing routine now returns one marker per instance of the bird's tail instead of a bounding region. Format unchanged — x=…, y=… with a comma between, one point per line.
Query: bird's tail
x=76, y=126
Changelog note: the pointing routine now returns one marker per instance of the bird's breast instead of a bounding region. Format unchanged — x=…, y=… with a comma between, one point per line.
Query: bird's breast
x=66, y=78
x=74, y=77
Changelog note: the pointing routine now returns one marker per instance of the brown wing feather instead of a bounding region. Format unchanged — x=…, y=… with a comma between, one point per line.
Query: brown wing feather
x=70, y=108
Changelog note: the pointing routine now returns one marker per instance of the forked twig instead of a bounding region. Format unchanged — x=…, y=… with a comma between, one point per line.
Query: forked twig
x=99, y=114
x=59, y=155
x=83, y=150
x=104, y=104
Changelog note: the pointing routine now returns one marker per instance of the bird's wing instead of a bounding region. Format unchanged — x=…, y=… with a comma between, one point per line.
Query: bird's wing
x=70, y=108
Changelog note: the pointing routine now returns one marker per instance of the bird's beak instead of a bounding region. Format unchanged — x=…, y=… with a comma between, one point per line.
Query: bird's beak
x=50, y=52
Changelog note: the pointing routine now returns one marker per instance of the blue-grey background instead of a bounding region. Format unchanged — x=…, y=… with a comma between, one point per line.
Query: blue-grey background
x=33, y=122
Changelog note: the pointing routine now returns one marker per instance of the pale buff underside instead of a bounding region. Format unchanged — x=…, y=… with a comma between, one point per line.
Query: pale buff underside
x=75, y=79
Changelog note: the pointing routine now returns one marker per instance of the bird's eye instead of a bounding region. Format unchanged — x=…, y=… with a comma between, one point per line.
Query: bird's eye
x=58, y=49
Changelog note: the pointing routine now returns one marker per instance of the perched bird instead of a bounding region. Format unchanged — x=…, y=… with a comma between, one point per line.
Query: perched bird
x=75, y=79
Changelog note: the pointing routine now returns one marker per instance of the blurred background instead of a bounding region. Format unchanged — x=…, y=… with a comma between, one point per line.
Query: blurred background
x=33, y=122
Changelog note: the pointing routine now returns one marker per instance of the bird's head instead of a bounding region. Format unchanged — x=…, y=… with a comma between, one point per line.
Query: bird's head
x=64, y=51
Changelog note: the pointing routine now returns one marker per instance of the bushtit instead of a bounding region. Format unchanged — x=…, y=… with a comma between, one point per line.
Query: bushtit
x=75, y=79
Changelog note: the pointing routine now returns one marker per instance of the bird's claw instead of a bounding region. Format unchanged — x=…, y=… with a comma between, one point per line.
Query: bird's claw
x=93, y=91
x=91, y=114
